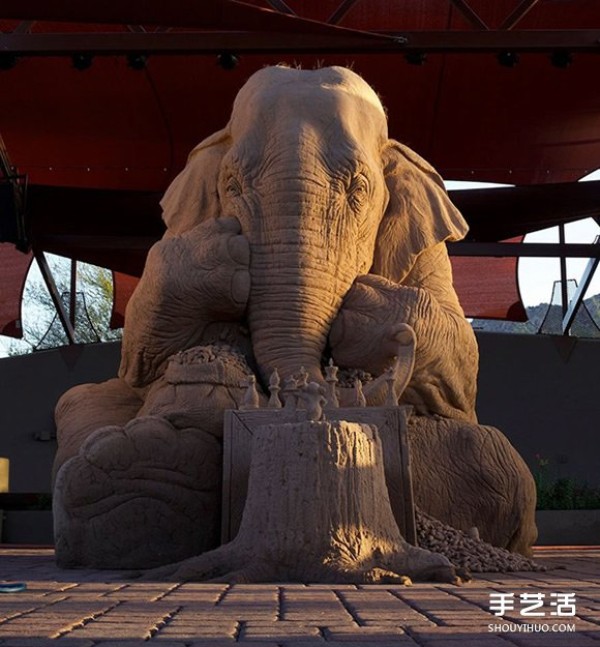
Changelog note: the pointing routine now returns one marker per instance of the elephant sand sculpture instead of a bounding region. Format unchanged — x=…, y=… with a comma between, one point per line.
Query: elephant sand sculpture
x=297, y=233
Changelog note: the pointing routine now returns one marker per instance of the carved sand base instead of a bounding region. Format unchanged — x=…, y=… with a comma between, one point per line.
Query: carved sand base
x=317, y=511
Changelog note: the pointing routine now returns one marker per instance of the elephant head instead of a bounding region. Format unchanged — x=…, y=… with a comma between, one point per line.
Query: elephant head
x=306, y=166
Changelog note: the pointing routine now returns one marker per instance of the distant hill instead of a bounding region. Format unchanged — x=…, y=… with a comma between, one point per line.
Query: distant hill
x=546, y=319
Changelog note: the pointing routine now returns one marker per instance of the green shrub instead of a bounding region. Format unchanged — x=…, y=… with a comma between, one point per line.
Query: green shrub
x=562, y=493
x=566, y=494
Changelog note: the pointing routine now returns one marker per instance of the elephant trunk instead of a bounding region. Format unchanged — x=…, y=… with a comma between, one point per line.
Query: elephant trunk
x=297, y=290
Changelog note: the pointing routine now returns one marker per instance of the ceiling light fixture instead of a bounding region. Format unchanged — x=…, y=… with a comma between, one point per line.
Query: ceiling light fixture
x=82, y=61
x=508, y=59
x=227, y=60
x=561, y=58
x=137, y=61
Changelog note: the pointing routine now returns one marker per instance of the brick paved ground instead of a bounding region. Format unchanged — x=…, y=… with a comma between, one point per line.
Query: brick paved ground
x=87, y=608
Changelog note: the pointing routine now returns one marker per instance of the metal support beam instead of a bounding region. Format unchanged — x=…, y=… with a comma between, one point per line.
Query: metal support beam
x=564, y=291
x=344, y=41
x=55, y=296
x=577, y=300
x=520, y=11
x=541, y=250
x=279, y=5
x=7, y=170
x=73, y=294
x=189, y=43
x=338, y=15
x=469, y=14
x=493, y=41
x=18, y=184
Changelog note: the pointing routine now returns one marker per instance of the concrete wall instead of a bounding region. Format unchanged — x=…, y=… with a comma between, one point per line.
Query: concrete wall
x=30, y=386
x=542, y=392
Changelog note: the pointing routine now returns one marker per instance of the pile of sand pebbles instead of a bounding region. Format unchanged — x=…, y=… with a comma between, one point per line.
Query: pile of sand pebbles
x=466, y=550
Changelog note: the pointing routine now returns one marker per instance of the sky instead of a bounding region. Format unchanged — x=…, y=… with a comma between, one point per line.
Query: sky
x=536, y=275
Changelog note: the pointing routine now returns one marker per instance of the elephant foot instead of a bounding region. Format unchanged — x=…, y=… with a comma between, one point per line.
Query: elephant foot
x=87, y=407
x=470, y=476
x=137, y=496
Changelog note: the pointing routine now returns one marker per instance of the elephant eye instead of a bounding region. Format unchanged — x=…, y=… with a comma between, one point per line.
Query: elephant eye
x=358, y=192
x=233, y=188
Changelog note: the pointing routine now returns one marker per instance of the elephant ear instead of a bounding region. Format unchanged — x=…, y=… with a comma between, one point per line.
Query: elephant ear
x=419, y=214
x=192, y=196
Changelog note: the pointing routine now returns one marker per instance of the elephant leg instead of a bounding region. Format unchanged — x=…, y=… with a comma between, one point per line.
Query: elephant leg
x=144, y=494
x=364, y=333
x=87, y=407
x=468, y=475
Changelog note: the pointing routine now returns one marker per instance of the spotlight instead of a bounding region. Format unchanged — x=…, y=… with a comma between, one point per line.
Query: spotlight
x=7, y=61
x=415, y=58
x=137, y=61
x=508, y=59
x=561, y=58
x=227, y=60
x=82, y=61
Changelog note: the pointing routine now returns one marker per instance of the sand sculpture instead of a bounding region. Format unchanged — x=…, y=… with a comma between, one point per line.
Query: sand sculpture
x=304, y=266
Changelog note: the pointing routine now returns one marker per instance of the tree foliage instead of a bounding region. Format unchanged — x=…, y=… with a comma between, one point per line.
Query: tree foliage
x=93, y=306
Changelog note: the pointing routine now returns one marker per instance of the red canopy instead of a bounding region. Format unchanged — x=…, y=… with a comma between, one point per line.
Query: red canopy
x=112, y=126
x=13, y=269
x=115, y=127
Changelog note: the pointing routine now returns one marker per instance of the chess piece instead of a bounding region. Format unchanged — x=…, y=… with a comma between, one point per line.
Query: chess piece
x=313, y=397
x=274, y=389
x=290, y=390
x=359, y=396
x=302, y=379
x=251, y=400
x=391, y=399
x=331, y=378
